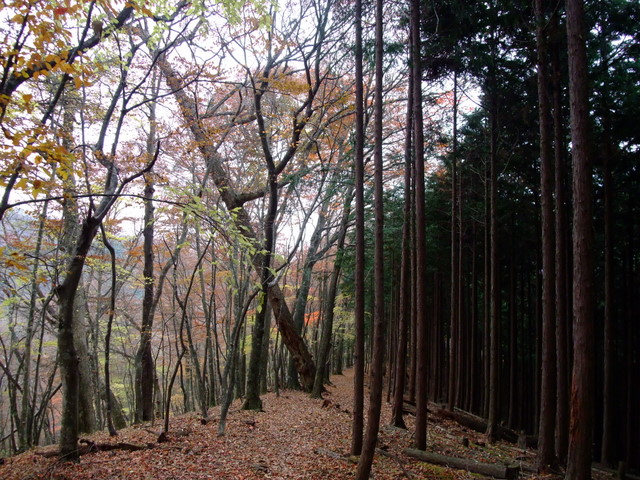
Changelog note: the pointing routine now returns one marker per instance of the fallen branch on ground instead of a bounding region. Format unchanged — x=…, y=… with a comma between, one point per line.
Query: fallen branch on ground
x=406, y=472
x=492, y=470
x=87, y=446
x=474, y=422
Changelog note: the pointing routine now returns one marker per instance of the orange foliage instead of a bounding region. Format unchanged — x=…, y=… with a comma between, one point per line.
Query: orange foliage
x=312, y=318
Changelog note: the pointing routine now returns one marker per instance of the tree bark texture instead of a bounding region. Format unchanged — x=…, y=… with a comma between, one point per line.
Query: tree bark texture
x=68, y=355
x=422, y=359
x=454, y=321
x=145, y=369
x=562, y=270
x=583, y=378
x=404, y=310
x=546, y=444
x=608, y=393
x=378, y=338
x=494, y=321
x=358, y=354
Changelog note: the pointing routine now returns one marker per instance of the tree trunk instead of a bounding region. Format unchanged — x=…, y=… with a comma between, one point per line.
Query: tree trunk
x=108, y=395
x=252, y=398
x=68, y=355
x=513, y=342
x=546, y=443
x=25, y=427
x=609, y=347
x=77, y=408
x=87, y=394
x=358, y=354
x=252, y=401
x=583, y=378
x=302, y=294
x=562, y=275
x=197, y=371
x=609, y=399
x=474, y=355
x=228, y=378
x=486, y=304
x=404, y=312
x=235, y=202
x=378, y=338
x=322, y=371
x=145, y=368
x=421, y=277
x=494, y=326
x=454, y=325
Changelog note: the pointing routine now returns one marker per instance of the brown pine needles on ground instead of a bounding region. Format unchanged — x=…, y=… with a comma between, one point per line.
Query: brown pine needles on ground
x=296, y=437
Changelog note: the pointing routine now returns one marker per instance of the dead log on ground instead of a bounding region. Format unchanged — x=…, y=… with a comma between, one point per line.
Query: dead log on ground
x=88, y=446
x=406, y=472
x=479, y=424
x=409, y=408
x=491, y=470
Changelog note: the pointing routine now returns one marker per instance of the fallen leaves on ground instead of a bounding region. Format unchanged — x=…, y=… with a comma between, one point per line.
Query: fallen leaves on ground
x=296, y=437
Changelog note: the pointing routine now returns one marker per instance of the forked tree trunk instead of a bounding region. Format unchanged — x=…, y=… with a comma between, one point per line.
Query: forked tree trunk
x=235, y=203
x=68, y=355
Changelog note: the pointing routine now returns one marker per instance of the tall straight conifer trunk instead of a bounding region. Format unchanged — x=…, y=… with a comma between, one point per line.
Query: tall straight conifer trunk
x=582, y=385
x=405, y=299
x=379, y=344
x=420, y=236
x=546, y=442
x=494, y=293
x=562, y=270
x=358, y=354
x=455, y=327
x=609, y=399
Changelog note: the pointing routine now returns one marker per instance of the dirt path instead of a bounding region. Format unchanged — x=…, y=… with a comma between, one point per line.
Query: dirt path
x=294, y=438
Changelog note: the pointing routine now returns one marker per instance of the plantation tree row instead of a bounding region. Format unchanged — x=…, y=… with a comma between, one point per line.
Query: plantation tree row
x=209, y=200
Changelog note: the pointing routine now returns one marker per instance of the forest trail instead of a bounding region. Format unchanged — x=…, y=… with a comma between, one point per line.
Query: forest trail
x=296, y=437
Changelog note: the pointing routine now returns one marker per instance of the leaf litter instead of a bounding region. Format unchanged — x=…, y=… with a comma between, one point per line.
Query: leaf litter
x=295, y=437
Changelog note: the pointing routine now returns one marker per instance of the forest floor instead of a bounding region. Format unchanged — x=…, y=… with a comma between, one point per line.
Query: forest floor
x=296, y=437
